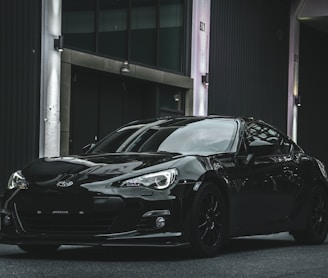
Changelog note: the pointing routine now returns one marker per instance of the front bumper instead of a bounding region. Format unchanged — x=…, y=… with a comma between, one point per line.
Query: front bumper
x=131, y=238
x=93, y=220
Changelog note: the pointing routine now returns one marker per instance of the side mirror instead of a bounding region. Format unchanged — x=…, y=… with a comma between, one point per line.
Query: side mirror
x=259, y=148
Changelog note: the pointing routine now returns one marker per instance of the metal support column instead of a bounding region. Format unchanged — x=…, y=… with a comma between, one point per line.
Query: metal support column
x=50, y=79
x=200, y=49
x=293, y=96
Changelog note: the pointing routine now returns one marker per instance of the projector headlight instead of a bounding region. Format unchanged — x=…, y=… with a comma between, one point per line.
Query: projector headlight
x=158, y=180
x=17, y=180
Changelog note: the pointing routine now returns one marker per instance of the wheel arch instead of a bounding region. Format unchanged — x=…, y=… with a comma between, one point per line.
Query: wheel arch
x=208, y=177
x=210, y=185
x=221, y=184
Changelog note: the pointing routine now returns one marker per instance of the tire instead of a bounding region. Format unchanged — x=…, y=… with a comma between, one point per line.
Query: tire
x=317, y=219
x=208, y=221
x=39, y=249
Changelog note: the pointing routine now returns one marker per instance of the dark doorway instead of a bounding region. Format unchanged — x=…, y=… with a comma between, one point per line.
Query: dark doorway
x=101, y=102
x=313, y=89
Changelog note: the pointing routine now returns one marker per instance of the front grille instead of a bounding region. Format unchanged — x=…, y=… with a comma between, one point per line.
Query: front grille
x=64, y=215
x=73, y=223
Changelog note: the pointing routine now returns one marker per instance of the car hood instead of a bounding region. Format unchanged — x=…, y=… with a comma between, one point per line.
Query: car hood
x=91, y=168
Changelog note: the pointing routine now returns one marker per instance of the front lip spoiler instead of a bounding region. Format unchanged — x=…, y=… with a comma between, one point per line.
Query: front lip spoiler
x=131, y=238
x=136, y=235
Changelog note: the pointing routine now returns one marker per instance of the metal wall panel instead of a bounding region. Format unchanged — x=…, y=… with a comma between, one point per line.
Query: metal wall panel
x=249, y=59
x=312, y=133
x=20, y=29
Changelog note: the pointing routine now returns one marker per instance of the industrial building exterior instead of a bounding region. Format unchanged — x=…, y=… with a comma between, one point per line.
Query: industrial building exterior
x=71, y=71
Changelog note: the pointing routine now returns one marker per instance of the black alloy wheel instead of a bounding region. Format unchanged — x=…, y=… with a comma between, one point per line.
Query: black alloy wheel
x=317, y=226
x=208, y=222
x=39, y=249
x=319, y=214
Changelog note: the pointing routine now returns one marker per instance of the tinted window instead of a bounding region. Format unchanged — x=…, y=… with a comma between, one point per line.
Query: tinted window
x=148, y=32
x=203, y=137
x=264, y=133
x=79, y=24
x=143, y=31
x=114, y=141
x=171, y=34
x=285, y=146
x=113, y=28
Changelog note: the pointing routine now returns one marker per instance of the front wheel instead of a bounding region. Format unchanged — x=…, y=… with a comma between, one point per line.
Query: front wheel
x=317, y=221
x=208, y=221
x=39, y=249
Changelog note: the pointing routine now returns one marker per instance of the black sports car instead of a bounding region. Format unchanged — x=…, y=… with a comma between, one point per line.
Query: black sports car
x=193, y=181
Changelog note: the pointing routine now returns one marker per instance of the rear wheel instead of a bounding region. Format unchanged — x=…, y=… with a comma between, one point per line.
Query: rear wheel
x=317, y=222
x=208, y=221
x=39, y=249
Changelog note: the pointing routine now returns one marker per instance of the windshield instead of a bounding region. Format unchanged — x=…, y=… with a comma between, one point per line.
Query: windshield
x=191, y=136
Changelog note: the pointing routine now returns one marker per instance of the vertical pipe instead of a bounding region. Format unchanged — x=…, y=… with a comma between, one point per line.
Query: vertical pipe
x=293, y=73
x=50, y=79
x=200, y=49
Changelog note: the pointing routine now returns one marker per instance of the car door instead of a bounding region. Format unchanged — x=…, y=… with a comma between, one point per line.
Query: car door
x=265, y=191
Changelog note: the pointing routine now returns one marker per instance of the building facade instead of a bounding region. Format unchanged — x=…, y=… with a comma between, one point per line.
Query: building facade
x=74, y=70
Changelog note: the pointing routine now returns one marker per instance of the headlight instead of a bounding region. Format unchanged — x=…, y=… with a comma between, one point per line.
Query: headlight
x=158, y=180
x=17, y=180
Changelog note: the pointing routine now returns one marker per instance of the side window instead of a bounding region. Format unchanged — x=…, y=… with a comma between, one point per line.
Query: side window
x=262, y=132
x=286, y=146
x=296, y=148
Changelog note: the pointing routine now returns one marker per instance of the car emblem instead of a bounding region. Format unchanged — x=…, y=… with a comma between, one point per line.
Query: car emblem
x=64, y=183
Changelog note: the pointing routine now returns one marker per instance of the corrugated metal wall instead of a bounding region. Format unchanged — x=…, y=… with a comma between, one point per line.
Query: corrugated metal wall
x=20, y=30
x=313, y=87
x=249, y=59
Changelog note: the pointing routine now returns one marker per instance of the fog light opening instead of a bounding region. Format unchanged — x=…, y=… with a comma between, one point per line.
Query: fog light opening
x=160, y=222
x=7, y=220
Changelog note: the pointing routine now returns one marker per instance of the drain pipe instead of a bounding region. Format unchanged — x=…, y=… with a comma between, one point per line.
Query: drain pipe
x=51, y=47
x=293, y=94
x=200, y=55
